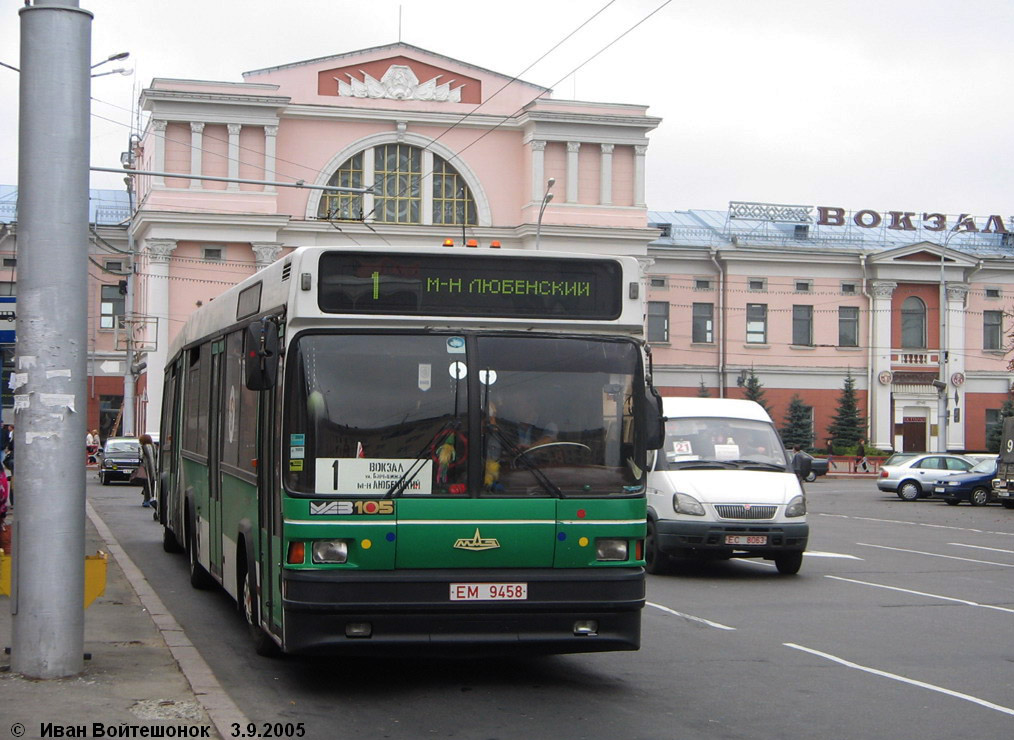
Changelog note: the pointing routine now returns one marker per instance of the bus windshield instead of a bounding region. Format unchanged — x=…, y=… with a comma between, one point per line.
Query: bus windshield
x=389, y=415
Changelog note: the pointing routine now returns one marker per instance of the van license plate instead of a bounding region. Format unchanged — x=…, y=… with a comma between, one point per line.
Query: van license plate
x=489, y=591
x=746, y=539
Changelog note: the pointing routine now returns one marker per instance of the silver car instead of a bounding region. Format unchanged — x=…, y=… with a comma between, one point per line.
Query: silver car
x=912, y=475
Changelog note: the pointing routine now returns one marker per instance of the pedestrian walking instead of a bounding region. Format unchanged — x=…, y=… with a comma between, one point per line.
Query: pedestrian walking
x=862, y=464
x=145, y=472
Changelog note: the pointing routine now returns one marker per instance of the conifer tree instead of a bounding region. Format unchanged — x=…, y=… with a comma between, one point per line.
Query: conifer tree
x=994, y=432
x=848, y=425
x=702, y=390
x=798, y=427
x=754, y=391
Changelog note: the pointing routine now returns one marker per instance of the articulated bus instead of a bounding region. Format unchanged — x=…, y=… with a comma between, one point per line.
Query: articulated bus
x=426, y=449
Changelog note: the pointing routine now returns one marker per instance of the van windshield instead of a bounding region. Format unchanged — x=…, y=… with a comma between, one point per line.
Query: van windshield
x=723, y=441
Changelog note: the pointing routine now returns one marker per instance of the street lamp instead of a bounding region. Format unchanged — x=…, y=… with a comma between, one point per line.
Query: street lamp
x=112, y=58
x=542, y=209
x=943, y=412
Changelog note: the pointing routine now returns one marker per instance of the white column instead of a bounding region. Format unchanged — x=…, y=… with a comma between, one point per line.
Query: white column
x=538, y=170
x=639, y=153
x=881, y=423
x=266, y=253
x=573, y=147
x=956, y=297
x=158, y=252
x=369, y=178
x=158, y=127
x=234, y=129
x=270, y=142
x=427, y=187
x=606, y=176
x=196, y=153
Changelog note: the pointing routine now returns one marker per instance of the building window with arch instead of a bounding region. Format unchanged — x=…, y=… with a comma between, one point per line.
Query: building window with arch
x=913, y=323
x=338, y=206
x=400, y=188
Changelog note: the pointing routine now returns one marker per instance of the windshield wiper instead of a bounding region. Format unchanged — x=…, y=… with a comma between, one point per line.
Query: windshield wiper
x=399, y=486
x=759, y=463
x=518, y=454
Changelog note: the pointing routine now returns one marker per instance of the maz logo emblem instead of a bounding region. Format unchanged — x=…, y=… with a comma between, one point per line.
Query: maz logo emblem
x=477, y=542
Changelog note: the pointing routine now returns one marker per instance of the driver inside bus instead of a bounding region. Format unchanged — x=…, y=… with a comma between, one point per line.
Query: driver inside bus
x=514, y=427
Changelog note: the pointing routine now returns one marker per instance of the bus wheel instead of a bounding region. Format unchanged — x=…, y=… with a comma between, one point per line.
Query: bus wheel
x=263, y=644
x=199, y=577
x=169, y=541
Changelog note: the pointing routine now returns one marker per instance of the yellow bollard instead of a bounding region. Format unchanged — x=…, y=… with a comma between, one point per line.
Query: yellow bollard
x=95, y=576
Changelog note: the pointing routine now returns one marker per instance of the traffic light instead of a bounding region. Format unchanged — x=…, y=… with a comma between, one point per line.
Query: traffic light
x=123, y=287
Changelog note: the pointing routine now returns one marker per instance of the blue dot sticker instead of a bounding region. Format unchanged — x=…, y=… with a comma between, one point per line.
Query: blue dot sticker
x=562, y=536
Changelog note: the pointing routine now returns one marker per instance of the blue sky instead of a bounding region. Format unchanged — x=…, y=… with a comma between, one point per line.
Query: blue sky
x=889, y=105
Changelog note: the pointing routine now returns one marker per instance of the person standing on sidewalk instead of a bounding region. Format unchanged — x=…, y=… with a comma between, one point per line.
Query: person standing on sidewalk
x=145, y=472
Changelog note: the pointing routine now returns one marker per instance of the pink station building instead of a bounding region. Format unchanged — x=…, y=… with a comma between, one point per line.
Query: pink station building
x=802, y=296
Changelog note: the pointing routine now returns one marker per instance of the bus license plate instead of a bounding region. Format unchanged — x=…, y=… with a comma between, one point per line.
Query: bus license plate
x=489, y=591
x=746, y=539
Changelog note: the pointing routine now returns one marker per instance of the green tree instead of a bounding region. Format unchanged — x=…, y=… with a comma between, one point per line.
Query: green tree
x=798, y=427
x=994, y=432
x=754, y=391
x=848, y=425
x=702, y=390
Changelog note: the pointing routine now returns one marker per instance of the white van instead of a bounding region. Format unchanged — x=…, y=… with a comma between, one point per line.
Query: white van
x=722, y=487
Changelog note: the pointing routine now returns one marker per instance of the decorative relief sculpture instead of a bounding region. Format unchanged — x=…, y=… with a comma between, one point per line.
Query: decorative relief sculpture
x=399, y=83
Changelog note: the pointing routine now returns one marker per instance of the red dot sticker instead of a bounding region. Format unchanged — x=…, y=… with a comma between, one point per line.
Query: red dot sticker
x=370, y=507
x=581, y=513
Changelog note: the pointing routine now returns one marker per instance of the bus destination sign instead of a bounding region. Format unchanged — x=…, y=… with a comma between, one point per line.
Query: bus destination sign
x=470, y=285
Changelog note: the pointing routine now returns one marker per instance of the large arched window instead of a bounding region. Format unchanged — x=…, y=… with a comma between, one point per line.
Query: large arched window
x=913, y=323
x=410, y=186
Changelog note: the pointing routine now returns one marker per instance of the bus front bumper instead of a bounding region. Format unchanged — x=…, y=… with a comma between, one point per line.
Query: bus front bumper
x=565, y=611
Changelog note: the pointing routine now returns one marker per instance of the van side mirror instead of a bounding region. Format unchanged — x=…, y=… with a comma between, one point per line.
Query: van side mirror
x=654, y=419
x=260, y=354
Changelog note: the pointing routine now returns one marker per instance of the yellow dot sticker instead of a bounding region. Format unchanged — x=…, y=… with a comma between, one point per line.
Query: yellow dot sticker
x=366, y=544
x=583, y=542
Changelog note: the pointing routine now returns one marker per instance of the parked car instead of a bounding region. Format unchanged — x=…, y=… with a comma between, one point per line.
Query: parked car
x=120, y=457
x=975, y=486
x=818, y=466
x=914, y=475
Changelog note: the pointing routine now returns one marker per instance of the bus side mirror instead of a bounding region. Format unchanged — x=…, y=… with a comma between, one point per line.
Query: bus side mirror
x=260, y=355
x=654, y=420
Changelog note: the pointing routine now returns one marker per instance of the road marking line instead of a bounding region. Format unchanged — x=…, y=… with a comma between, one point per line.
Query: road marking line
x=980, y=547
x=819, y=554
x=692, y=618
x=922, y=593
x=936, y=555
x=903, y=679
x=222, y=710
x=917, y=524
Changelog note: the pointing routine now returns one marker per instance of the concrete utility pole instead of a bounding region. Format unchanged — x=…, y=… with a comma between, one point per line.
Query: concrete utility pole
x=52, y=347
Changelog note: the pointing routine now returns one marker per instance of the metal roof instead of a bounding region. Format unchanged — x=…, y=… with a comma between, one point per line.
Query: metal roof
x=105, y=207
x=796, y=227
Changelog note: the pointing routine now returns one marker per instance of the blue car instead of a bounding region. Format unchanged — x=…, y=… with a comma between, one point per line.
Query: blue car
x=975, y=486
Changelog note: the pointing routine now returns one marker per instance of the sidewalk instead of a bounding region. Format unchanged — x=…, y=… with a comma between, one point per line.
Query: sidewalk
x=133, y=680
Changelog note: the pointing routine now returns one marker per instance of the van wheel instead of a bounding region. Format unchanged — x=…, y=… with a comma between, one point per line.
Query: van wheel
x=1008, y=504
x=909, y=491
x=979, y=496
x=656, y=562
x=262, y=642
x=789, y=563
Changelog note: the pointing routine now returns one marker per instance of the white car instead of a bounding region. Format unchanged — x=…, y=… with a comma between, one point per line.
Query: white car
x=913, y=475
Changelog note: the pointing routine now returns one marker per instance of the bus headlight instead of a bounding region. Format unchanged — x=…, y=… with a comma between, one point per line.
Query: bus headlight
x=796, y=507
x=610, y=549
x=684, y=504
x=330, y=551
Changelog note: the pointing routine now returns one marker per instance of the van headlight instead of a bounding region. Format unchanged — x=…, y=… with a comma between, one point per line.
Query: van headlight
x=796, y=507
x=684, y=504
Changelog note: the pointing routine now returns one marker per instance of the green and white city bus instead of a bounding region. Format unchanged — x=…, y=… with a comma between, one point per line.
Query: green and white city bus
x=427, y=448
